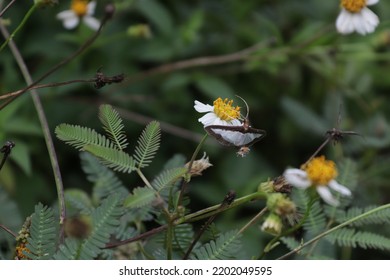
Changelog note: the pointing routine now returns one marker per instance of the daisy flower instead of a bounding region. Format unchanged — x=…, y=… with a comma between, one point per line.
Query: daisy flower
x=221, y=113
x=319, y=173
x=79, y=10
x=355, y=16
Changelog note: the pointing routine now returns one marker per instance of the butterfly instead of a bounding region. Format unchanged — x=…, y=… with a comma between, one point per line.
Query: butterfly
x=242, y=136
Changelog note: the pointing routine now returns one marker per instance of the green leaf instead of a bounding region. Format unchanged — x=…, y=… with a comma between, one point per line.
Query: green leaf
x=105, y=221
x=352, y=238
x=104, y=179
x=157, y=14
x=41, y=243
x=224, y=247
x=112, y=124
x=78, y=136
x=168, y=177
x=148, y=144
x=140, y=197
x=77, y=201
x=113, y=158
x=303, y=116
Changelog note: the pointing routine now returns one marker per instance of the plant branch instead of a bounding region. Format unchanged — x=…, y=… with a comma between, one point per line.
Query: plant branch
x=361, y=216
x=7, y=7
x=45, y=128
x=81, y=49
x=8, y=230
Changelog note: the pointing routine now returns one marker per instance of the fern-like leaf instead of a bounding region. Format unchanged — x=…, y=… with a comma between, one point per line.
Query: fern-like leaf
x=42, y=240
x=168, y=177
x=352, y=238
x=77, y=201
x=104, y=179
x=78, y=136
x=113, y=158
x=112, y=124
x=105, y=220
x=224, y=247
x=148, y=144
x=316, y=219
x=140, y=197
x=378, y=217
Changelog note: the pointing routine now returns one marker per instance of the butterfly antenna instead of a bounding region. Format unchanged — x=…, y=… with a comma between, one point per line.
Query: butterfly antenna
x=247, y=107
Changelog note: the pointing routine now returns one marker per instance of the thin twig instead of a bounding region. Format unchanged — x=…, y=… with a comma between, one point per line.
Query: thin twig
x=8, y=230
x=82, y=48
x=228, y=199
x=7, y=7
x=361, y=216
x=200, y=61
x=45, y=128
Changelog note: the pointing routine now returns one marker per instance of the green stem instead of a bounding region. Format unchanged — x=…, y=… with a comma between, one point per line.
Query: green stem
x=207, y=212
x=380, y=208
x=145, y=180
x=21, y=24
x=45, y=128
x=185, y=181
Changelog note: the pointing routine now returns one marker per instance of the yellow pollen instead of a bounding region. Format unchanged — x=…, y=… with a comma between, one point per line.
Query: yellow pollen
x=79, y=7
x=225, y=111
x=353, y=6
x=320, y=171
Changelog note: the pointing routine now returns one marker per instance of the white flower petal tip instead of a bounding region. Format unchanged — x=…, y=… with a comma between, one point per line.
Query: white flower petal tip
x=327, y=196
x=339, y=188
x=297, y=177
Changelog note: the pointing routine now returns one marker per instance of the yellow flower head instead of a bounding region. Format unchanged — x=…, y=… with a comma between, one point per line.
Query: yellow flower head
x=225, y=111
x=320, y=171
x=353, y=6
x=79, y=7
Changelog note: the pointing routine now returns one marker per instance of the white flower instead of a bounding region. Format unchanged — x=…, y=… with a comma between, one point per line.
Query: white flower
x=80, y=10
x=355, y=16
x=318, y=173
x=222, y=113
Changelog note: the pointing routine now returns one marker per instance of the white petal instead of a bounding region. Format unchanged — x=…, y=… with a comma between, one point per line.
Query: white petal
x=344, y=23
x=208, y=119
x=369, y=19
x=371, y=2
x=71, y=23
x=65, y=15
x=327, y=196
x=91, y=8
x=91, y=22
x=339, y=188
x=297, y=177
x=203, y=108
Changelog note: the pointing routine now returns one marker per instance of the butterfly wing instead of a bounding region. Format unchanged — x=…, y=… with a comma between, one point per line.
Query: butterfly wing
x=237, y=136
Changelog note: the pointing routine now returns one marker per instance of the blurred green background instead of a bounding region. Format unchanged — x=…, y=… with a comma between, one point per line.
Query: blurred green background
x=285, y=58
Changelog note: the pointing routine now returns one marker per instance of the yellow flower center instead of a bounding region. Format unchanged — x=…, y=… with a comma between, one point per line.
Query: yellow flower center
x=353, y=6
x=79, y=7
x=320, y=171
x=225, y=111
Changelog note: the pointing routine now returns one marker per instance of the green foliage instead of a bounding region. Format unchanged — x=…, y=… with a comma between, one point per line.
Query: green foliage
x=113, y=158
x=168, y=177
x=140, y=197
x=105, y=181
x=352, y=238
x=104, y=223
x=224, y=247
x=148, y=144
x=79, y=137
x=112, y=124
x=43, y=234
x=379, y=217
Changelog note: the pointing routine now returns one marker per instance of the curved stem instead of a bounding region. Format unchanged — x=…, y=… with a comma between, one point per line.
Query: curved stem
x=45, y=128
x=380, y=208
